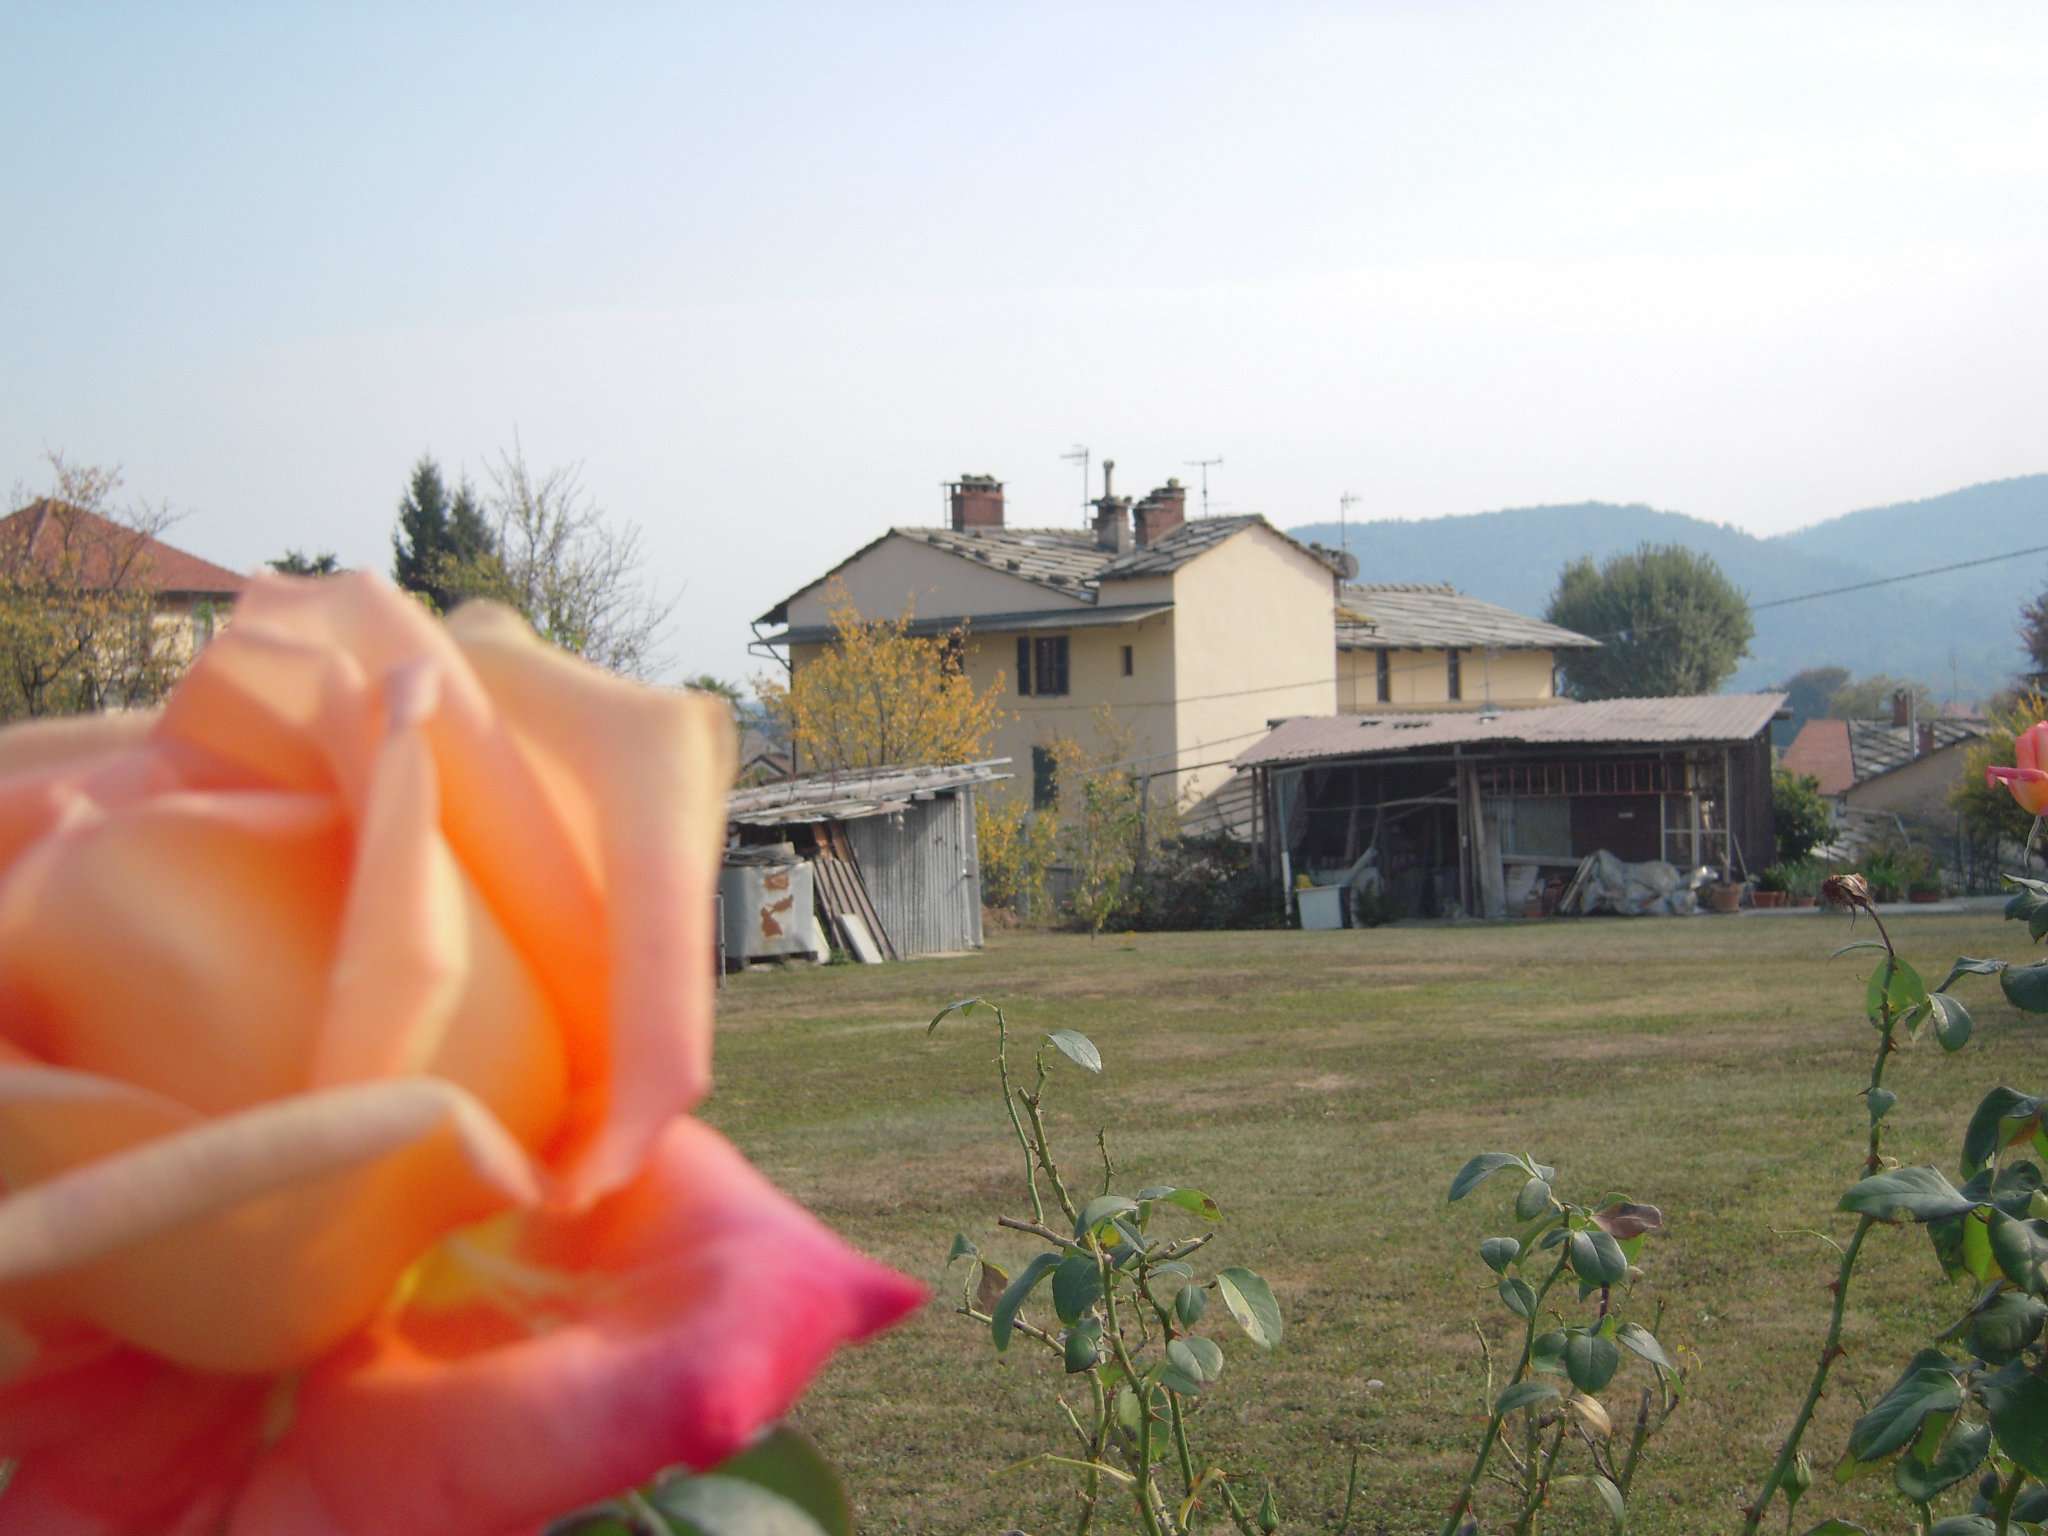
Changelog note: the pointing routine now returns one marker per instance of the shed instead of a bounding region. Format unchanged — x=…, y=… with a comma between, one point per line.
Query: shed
x=1451, y=804
x=895, y=849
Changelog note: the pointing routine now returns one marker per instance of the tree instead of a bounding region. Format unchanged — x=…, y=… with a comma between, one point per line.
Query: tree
x=2034, y=636
x=438, y=536
x=1799, y=814
x=705, y=682
x=1870, y=698
x=877, y=695
x=547, y=550
x=79, y=623
x=295, y=562
x=1668, y=621
x=1810, y=693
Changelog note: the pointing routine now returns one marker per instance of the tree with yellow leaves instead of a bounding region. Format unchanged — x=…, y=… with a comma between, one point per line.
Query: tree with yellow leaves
x=876, y=695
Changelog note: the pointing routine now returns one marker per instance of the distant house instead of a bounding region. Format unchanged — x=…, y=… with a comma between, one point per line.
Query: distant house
x=1462, y=811
x=1195, y=633
x=1899, y=768
x=104, y=553
x=1410, y=645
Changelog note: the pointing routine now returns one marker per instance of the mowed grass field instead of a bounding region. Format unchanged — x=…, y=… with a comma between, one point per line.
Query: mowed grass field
x=1324, y=1088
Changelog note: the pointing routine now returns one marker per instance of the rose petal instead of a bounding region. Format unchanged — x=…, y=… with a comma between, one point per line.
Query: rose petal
x=211, y=932
x=628, y=748
x=700, y=1302
x=113, y=1443
x=254, y=1242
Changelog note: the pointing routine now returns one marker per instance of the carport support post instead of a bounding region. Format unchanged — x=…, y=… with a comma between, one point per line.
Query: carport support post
x=1464, y=773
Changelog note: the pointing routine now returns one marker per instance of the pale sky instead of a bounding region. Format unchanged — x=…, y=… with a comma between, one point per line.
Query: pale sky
x=773, y=274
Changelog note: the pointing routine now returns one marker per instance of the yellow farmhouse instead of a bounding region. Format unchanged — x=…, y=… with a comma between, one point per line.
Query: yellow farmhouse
x=1197, y=635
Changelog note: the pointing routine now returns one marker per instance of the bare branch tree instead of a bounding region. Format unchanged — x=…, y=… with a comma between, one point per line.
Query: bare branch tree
x=579, y=578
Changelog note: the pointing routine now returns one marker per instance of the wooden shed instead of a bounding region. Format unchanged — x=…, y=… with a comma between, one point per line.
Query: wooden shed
x=894, y=851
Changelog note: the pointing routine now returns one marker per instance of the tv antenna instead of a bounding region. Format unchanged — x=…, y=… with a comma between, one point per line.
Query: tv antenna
x=1203, y=466
x=1344, y=505
x=1078, y=454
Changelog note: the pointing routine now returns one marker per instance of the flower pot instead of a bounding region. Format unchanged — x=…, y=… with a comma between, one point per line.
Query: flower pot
x=1923, y=897
x=1724, y=898
x=1771, y=898
x=1806, y=901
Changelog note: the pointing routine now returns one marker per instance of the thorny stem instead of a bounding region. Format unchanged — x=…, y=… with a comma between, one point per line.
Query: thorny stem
x=1114, y=1333
x=1493, y=1423
x=1108, y=1168
x=1180, y=1444
x=1831, y=1348
x=1104, y=1413
x=1350, y=1494
x=1010, y=1103
x=1043, y=1148
x=1635, y=1444
x=1237, y=1514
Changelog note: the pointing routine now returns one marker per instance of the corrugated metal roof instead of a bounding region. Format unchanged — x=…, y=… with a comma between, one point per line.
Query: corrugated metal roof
x=1604, y=722
x=1064, y=560
x=991, y=623
x=1415, y=616
x=852, y=794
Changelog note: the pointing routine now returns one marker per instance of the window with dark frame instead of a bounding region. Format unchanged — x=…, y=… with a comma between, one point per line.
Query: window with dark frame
x=1383, y=674
x=1130, y=662
x=1045, y=786
x=1041, y=666
x=1454, y=685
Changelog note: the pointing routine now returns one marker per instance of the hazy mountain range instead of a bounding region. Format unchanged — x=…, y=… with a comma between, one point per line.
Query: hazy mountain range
x=1957, y=633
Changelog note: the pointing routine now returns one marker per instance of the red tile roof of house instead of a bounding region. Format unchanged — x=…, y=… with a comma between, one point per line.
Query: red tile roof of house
x=1821, y=751
x=38, y=530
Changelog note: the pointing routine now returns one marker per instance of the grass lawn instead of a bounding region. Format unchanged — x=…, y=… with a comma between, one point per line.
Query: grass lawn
x=1323, y=1088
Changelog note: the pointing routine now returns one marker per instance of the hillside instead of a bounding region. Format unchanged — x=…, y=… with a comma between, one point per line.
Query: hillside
x=1957, y=633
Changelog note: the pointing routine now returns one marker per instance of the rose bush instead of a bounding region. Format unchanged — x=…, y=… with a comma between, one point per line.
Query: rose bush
x=349, y=1011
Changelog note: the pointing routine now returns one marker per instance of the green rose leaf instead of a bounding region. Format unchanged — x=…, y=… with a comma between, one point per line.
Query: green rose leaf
x=1928, y=1386
x=1959, y=1455
x=1099, y=1212
x=2026, y=986
x=1479, y=1170
x=1591, y=1361
x=1076, y=1286
x=1608, y=1494
x=1881, y=1101
x=1077, y=1048
x=1597, y=1258
x=1189, y=1303
x=1546, y=1352
x=1532, y=1200
x=1905, y=1194
x=1523, y=1394
x=1499, y=1252
x=714, y=1505
x=1199, y=1357
x=2003, y=1117
x=1251, y=1302
x=2020, y=1249
x=2018, y=1403
x=1517, y=1297
x=1952, y=1022
x=1084, y=1346
x=1638, y=1340
x=1003, y=1319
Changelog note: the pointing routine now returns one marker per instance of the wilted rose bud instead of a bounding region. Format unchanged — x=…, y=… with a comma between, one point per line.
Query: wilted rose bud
x=1851, y=891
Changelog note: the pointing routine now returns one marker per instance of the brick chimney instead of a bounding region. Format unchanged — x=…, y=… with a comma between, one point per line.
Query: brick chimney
x=977, y=502
x=1924, y=744
x=1902, y=707
x=1164, y=510
x=1112, y=515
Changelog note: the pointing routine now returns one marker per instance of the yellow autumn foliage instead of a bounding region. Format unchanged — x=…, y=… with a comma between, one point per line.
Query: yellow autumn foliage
x=879, y=696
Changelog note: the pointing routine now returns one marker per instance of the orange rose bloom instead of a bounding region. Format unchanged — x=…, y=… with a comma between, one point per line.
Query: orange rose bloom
x=349, y=1008
x=2027, y=780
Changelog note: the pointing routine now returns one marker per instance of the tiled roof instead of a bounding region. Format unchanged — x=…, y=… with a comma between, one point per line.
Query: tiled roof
x=103, y=548
x=1415, y=616
x=1877, y=746
x=1821, y=752
x=1065, y=560
x=1687, y=720
x=849, y=794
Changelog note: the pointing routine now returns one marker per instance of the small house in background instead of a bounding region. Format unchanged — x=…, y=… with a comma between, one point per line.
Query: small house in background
x=1418, y=646
x=1472, y=812
x=889, y=858
x=1888, y=777
x=191, y=596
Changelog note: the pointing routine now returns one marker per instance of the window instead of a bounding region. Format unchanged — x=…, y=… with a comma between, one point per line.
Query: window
x=1129, y=662
x=1041, y=666
x=1454, y=686
x=953, y=654
x=1045, y=784
x=1383, y=675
